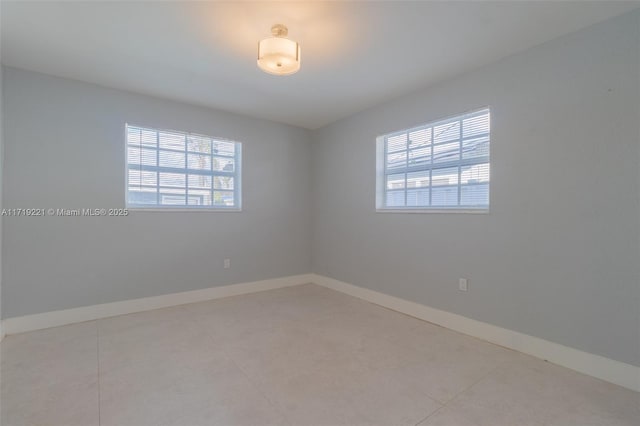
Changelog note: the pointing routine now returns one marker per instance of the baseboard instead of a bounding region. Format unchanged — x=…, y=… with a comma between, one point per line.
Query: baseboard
x=594, y=365
x=88, y=313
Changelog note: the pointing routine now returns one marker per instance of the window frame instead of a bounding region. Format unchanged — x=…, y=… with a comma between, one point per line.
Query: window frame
x=382, y=171
x=237, y=175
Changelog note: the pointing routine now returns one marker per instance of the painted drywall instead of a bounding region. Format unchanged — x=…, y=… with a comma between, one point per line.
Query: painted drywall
x=1, y=187
x=64, y=144
x=558, y=255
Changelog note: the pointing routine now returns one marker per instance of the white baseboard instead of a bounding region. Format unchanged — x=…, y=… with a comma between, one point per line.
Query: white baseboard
x=88, y=313
x=594, y=365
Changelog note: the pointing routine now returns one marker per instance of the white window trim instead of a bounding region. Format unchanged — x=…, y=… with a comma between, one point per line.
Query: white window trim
x=183, y=209
x=483, y=210
x=380, y=192
x=154, y=208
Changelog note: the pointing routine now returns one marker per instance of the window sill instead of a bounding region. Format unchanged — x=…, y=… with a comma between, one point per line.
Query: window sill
x=182, y=210
x=464, y=211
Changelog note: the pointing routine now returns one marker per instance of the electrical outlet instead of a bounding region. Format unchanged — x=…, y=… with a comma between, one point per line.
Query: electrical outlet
x=227, y=263
x=463, y=284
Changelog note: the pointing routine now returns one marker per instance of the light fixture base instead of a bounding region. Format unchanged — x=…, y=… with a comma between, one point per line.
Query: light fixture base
x=279, y=30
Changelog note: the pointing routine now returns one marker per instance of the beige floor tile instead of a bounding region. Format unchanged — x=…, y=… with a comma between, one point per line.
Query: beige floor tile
x=234, y=317
x=170, y=371
x=528, y=391
x=451, y=362
x=148, y=320
x=302, y=355
x=327, y=397
x=368, y=320
x=281, y=352
x=50, y=377
x=447, y=417
x=152, y=338
x=374, y=338
x=204, y=395
x=307, y=301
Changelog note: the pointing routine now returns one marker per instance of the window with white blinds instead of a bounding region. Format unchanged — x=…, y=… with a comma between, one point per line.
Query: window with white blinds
x=443, y=165
x=168, y=169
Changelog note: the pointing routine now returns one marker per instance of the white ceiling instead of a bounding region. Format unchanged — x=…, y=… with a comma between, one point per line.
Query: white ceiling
x=354, y=54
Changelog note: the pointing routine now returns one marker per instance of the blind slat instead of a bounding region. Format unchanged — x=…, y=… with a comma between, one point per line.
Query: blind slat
x=176, y=169
x=439, y=164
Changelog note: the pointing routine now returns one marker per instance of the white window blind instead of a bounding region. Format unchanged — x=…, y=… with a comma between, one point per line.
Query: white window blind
x=168, y=169
x=440, y=165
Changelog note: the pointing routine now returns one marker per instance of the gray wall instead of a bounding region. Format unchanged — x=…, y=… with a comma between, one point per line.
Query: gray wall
x=1, y=187
x=65, y=149
x=558, y=255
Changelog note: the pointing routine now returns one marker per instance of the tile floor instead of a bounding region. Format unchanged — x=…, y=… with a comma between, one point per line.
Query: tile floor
x=302, y=355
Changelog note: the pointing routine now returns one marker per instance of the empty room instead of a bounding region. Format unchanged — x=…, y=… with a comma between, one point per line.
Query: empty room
x=320, y=213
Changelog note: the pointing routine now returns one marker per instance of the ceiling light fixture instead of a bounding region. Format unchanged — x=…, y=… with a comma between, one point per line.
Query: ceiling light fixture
x=278, y=55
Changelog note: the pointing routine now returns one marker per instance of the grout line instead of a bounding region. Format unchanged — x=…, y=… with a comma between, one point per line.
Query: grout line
x=255, y=384
x=484, y=376
x=429, y=415
x=441, y=406
x=258, y=387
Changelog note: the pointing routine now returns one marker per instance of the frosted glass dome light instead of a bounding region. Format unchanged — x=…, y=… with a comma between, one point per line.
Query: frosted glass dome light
x=278, y=55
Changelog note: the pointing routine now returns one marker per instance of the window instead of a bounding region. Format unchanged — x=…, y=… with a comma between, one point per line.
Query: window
x=442, y=165
x=167, y=169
